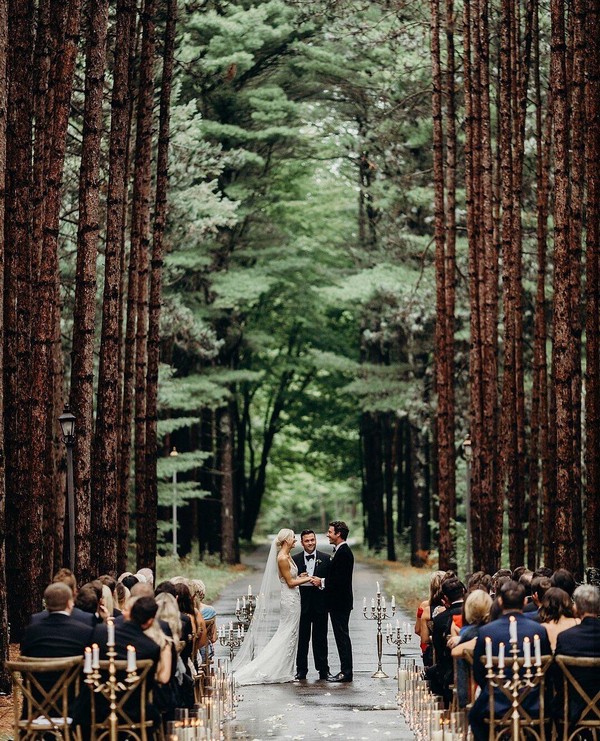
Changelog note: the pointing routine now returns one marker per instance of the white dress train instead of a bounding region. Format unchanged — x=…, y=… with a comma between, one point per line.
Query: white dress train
x=275, y=663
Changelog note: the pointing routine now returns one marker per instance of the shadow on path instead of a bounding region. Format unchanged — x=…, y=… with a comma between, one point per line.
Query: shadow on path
x=363, y=709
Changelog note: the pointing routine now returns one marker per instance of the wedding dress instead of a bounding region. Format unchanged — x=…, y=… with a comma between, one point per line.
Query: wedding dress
x=266, y=657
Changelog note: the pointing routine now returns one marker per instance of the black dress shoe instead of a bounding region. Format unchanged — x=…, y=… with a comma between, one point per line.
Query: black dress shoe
x=299, y=677
x=325, y=675
x=340, y=678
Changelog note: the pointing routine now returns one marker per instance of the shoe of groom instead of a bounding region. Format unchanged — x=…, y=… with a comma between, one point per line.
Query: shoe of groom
x=340, y=678
x=299, y=677
x=325, y=675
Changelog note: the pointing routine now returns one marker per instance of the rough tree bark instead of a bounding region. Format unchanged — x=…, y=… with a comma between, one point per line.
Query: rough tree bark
x=160, y=217
x=84, y=313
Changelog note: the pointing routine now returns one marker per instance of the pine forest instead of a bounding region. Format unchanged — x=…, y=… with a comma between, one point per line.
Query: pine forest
x=295, y=260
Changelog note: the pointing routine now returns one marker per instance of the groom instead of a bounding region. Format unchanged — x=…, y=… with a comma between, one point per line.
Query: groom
x=313, y=611
x=338, y=595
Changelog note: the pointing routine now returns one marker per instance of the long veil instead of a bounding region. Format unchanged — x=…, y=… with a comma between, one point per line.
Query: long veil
x=266, y=614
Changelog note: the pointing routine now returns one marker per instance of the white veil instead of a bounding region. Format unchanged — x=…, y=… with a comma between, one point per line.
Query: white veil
x=266, y=615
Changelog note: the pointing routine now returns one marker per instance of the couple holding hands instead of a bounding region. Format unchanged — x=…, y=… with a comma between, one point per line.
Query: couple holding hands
x=295, y=597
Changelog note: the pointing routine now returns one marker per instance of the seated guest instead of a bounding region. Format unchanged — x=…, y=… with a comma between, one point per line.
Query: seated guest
x=129, y=581
x=556, y=614
x=111, y=583
x=564, y=579
x=424, y=621
x=208, y=614
x=66, y=576
x=511, y=600
x=583, y=640
x=186, y=632
x=539, y=587
x=180, y=684
x=479, y=580
x=56, y=634
x=543, y=571
x=498, y=579
x=121, y=596
x=477, y=613
x=197, y=624
x=146, y=575
x=440, y=674
x=525, y=579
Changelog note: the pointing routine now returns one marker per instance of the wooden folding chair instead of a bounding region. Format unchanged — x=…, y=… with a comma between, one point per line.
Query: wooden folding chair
x=45, y=687
x=132, y=701
x=529, y=725
x=589, y=718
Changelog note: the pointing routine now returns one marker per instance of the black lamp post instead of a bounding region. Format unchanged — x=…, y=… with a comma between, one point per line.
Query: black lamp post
x=67, y=425
x=468, y=453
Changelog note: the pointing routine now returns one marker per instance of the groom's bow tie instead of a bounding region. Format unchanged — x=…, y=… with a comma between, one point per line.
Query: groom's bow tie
x=309, y=558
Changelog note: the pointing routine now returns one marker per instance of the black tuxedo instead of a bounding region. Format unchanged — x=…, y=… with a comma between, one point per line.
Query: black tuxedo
x=581, y=640
x=313, y=616
x=83, y=617
x=339, y=599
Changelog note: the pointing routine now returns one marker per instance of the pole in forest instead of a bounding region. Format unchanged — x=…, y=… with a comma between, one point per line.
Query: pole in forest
x=468, y=453
x=174, y=454
x=67, y=426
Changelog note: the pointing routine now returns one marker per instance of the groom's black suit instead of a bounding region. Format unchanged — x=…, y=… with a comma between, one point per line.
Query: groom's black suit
x=339, y=598
x=313, y=617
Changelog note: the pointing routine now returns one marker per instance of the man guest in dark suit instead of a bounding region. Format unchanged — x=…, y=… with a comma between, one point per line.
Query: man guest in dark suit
x=511, y=600
x=313, y=613
x=338, y=596
x=583, y=640
x=67, y=577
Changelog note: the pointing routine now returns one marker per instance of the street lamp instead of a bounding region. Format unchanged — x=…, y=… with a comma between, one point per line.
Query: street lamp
x=67, y=426
x=174, y=454
x=468, y=453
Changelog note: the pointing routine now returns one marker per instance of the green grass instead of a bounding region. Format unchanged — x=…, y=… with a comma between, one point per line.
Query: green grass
x=215, y=575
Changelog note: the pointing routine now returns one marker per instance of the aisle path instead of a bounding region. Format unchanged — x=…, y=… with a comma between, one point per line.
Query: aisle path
x=363, y=709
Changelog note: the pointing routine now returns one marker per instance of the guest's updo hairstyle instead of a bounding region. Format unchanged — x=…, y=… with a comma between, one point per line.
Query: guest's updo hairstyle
x=282, y=536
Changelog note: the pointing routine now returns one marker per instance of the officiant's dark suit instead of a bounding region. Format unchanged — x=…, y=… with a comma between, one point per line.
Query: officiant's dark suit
x=339, y=599
x=313, y=615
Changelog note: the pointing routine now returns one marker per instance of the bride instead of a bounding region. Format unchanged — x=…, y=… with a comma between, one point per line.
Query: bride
x=268, y=653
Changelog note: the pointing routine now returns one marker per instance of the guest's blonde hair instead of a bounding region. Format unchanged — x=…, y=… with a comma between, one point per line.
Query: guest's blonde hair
x=107, y=598
x=477, y=607
x=169, y=612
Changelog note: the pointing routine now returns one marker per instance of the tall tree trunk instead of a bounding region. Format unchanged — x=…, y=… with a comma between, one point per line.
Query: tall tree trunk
x=373, y=460
x=388, y=482
x=5, y=684
x=23, y=524
x=228, y=519
x=562, y=351
x=140, y=246
x=103, y=554
x=160, y=217
x=592, y=396
x=105, y=480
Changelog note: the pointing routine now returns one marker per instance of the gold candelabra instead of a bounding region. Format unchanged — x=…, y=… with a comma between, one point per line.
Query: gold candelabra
x=513, y=686
x=379, y=613
x=111, y=687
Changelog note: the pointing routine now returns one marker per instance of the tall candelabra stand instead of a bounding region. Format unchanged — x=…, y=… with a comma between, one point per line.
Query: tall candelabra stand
x=233, y=638
x=111, y=687
x=244, y=609
x=514, y=686
x=379, y=613
x=399, y=636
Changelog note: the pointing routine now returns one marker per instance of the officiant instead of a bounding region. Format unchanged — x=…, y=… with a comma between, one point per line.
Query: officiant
x=313, y=615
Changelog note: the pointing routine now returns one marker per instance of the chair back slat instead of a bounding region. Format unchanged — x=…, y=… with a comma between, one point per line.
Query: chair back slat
x=581, y=708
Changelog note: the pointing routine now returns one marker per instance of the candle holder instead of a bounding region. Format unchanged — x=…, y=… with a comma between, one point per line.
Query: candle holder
x=244, y=609
x=379, y=613
x=516, y=685
x=233, y=639
x=111, y=687
x=398, y=637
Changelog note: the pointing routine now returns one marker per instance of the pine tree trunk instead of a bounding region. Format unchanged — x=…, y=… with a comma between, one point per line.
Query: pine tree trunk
x=23, y=514
x=563, y=353
x=84, y=313
x=140, y=246
x=228, y=520
x=5, y=683
x=373, y=460
x=105, y=480
x=388, y=481
x=592, y=387
x=160, y=217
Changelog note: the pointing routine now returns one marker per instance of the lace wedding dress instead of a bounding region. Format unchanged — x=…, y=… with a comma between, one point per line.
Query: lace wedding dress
x=274, y=662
